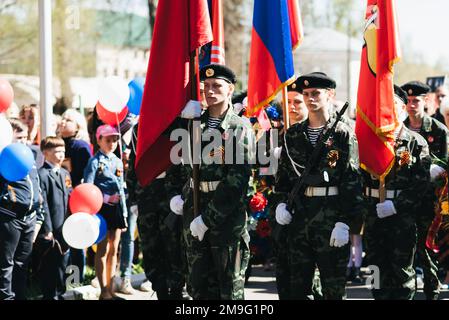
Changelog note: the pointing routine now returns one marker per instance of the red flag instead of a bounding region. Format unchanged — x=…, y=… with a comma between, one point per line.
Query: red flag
x=217, y=55
x=296, y=28
x=180, y=28
x=375, y=107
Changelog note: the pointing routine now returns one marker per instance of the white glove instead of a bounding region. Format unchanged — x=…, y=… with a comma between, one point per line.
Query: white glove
x=191, y=110
x=134, y=210
x=111, y=199
x=385, y=209
x=277, y=152
x=283, y=217
x=339, y=235
x=435, y=171
x=238, y=107
x=176, y=204
x=198, y=228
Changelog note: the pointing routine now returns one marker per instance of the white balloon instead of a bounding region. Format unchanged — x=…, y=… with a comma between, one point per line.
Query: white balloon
x=80, y=230
x=113, y=93
x=6, y=133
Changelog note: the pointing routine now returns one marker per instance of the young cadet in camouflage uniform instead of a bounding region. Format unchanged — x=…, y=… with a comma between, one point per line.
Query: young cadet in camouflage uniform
x=390, y=227
x=163, y=260
x=435, y=133
x=317, y=225
x=297, y=113
x=217, y=239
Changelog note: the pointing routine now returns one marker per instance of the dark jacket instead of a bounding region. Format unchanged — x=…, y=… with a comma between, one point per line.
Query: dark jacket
x=435, y=133
x=77, y=153
x=55, y=192
x=23, y=196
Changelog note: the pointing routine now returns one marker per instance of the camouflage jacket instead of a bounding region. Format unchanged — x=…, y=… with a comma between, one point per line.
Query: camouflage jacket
x=157, y=189
x=337, y=166
x=410, y=173
x=223, y=210
x=435, y=133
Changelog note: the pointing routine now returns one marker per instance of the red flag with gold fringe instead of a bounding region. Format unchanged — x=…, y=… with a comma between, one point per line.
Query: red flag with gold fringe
x=376, y=119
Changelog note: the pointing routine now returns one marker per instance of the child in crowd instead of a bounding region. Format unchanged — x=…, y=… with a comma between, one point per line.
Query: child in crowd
x=21, y=217
x=29, y=115
x=19, y=130
x=105, y=170
x=56, y=186
x=73, y=130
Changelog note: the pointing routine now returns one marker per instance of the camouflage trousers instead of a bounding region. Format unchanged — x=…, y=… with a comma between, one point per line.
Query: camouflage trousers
x=308, y=246
x=216, y=272
x=163, y=254
x=390, y=246
x=283, y=272
x=426, y=260
x=282, y=266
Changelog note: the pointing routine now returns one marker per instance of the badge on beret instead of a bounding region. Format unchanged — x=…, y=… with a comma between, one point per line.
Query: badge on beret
x=209, y=72
x=294, y=86
x=306, y=83
x=410, y=91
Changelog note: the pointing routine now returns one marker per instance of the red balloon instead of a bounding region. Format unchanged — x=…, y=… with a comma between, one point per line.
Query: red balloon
x=6, y=95
x=87, y=198
x=109, y=117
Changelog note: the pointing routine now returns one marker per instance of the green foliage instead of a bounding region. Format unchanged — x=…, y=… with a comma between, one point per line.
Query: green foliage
x=19, y=38
x=406, y=71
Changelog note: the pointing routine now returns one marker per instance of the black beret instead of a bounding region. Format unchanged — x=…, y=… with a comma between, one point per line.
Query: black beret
x=217, y=71
x=294, y=86
x=401, y=94
x=318, y=80
x=239, y=97
x=416, y=88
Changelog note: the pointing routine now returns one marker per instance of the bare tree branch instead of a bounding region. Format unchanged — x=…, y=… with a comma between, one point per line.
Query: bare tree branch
x=5, y=5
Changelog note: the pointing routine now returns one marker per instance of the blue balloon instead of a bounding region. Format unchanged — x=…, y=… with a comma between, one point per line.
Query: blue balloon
x=16, y=161
x=103, y=227
x=135, y=95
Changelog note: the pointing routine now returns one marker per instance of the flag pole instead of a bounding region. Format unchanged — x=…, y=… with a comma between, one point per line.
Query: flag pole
x=381, y=189
x=285, y=108
x=46, y=69
x=195, y=132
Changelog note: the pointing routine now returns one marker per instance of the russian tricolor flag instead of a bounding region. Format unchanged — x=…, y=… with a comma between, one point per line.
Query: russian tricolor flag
x=276, y=32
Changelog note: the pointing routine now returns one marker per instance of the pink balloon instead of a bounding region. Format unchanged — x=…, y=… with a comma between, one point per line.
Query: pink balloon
x=6, y=95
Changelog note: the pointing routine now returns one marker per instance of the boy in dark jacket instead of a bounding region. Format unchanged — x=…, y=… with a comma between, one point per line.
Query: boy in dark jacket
x=56, y=186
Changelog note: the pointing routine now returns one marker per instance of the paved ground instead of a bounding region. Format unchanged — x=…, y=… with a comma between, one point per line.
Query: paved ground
x=261, y=286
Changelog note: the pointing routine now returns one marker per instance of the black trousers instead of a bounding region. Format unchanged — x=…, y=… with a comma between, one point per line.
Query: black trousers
x=16, y=243
x=51, y=269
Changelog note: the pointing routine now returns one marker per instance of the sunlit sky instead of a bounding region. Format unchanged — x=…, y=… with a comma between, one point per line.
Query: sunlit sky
x=423, y=26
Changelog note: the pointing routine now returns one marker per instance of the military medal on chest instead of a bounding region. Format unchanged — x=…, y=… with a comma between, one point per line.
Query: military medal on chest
x=332, y=158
